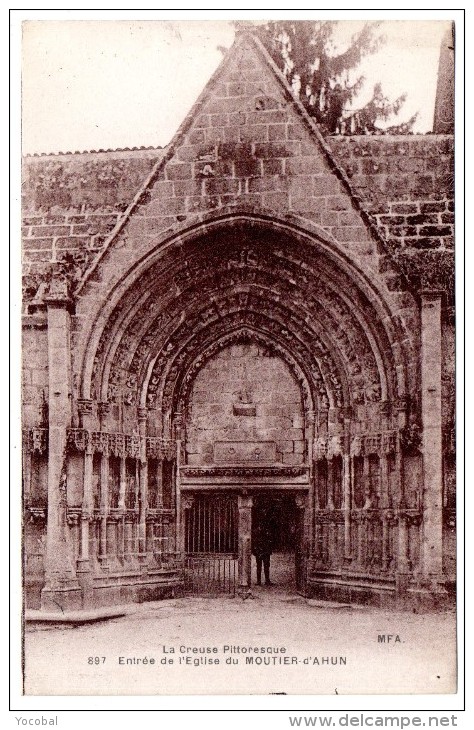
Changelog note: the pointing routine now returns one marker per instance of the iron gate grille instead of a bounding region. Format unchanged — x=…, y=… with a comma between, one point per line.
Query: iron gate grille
x=211, y=544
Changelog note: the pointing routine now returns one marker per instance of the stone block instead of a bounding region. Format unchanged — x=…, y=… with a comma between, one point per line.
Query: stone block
x=447, y=217
x=196, y=136
x=263, y=184
x=273, y=150
x=436, y=206
x=338, y=202
x=219, y=120
x=300, y=202
x=178, y=171
x=351, y=218
x=292, y=459
x=297, y=131
x=285, y=447
x=38, y=255
x=309, y=166
x=72, y=242
x=165, y=206
x=247, y=167
x=221, y=186
x=435, y=230
x=277, y=201
x=231, y=134
x=42, y=231
x=182, y=188
x=202, y=121
x=350, y=233
x=273, y=167
x=37, y=244
x=254, y=133
x=236, y=88
x=277, y=132
x=326, y=185
x=267, y=116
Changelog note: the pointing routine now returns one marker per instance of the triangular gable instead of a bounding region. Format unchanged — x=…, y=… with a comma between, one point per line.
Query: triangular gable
x=247, y=141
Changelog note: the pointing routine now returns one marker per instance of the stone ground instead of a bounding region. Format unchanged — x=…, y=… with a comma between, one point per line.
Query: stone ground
x=423, y=661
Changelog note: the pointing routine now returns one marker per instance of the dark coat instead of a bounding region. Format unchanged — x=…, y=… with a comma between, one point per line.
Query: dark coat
x=262, y=541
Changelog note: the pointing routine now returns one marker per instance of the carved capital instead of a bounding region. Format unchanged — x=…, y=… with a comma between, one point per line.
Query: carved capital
x=334, y=446
x=372, y=443
x=38, y=440
x=78, y=439
x=142, y=412
x=85, y=406
x=410, y=438
x=100, y=442
x=389, y=442
x=301, y=501
x=133, y=446
x=187, y=501
x=117, y=444
x=320, y=447
x=357, y=446
x=104, y=409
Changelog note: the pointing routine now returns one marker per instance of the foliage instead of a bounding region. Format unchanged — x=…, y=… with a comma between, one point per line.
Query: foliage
x=324, y=75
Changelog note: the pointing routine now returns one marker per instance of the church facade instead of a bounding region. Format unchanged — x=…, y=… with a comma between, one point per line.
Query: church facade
x=254, y=315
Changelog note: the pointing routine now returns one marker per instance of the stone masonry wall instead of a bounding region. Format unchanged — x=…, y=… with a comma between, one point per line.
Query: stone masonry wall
x=406, y=185
x=245, y=371
x=71, y=203
x=35, y=373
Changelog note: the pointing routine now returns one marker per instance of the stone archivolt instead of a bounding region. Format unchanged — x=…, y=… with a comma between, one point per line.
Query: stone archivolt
x=306, y=305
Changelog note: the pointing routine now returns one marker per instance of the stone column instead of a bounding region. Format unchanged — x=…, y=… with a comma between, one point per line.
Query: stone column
x=179, y=434
x=301, y=553
x=61, y=590
x=244, y=505
x=346, y=491
x=366, y=481
x=104, y=508
x=143, y=487
x=27, y=458
x=384, y=506
x=310, y=434
x=432, y=536
x=330, y=482
x=87, y=509
x=123, y=481
x=403, y=565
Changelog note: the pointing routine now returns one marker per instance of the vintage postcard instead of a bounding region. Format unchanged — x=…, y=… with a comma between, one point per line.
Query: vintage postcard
x=238, y=400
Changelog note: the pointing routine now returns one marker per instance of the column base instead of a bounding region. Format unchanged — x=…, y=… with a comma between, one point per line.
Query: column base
x=104, y=563
x=67, y=598
x=244, y=593
x=401, y=582
x=143, y=563
x=83, y=565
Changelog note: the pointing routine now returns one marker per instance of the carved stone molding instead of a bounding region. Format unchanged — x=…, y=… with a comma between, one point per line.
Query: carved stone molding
x=334, y=446
x=384, y=442
x=242, y=471
x=35, y=440
x=103, y=409
x=78, y=438
x=120, y=444
x=157, y=448
x=410, y=438
x=85, y=406
x=36, y=514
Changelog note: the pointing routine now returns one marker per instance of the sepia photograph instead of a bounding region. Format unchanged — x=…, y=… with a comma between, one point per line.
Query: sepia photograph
x=238, y=359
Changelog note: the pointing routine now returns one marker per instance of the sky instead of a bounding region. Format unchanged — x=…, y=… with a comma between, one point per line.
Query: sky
x=105, y=84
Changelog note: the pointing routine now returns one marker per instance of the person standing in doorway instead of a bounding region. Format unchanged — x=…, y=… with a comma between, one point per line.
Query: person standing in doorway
x=262, y=546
